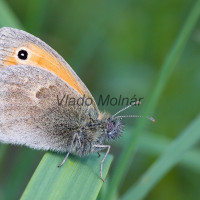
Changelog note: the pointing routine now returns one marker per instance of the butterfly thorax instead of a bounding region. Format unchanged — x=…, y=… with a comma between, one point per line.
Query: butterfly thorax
x=97, y=132
x=35, y=83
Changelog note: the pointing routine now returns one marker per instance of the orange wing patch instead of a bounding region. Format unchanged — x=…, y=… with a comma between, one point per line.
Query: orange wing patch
x=10, y=60
x=39, y=57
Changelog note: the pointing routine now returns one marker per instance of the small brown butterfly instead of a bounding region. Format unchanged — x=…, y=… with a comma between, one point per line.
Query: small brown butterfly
x=33, y=81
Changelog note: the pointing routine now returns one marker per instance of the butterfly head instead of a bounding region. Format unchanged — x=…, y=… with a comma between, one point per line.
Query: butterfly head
x=114, y=123
x=114, y=128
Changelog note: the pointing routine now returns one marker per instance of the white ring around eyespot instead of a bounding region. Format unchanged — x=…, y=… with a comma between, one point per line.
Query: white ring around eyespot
x=18, y=50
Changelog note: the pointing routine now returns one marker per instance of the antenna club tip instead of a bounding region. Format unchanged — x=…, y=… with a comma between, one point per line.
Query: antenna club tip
x=153, y=120
x=138, y=102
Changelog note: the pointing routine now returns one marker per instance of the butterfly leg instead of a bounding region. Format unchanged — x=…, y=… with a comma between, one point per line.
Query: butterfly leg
x=79, y=139
x=108, y=149
x=74, y=137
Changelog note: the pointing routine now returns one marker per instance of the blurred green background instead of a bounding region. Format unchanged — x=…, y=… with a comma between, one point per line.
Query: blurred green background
x=118, y=47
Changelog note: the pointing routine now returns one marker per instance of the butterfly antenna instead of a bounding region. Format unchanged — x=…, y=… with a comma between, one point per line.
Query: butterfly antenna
x=136, y=116
x=135, y=103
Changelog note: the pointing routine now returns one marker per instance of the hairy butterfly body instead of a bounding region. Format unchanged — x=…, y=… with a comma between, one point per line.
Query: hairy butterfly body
x=34, y=81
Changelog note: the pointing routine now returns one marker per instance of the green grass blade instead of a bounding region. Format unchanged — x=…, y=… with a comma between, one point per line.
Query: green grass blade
x=174, y=153
x=78, y=178
x=152, y=145
x=166, y=70
x=7, y=17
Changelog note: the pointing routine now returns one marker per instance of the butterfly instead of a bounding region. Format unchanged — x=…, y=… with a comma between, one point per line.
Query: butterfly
x=34, y=83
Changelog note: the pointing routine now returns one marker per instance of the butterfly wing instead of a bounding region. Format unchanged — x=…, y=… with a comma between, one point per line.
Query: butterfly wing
x=33, y=111
x=40, y=54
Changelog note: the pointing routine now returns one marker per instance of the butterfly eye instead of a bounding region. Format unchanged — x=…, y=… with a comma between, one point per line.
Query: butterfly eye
x=23, y=54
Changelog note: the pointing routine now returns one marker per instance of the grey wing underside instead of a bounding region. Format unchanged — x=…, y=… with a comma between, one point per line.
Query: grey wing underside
x=11, y=38
x=30, y=109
